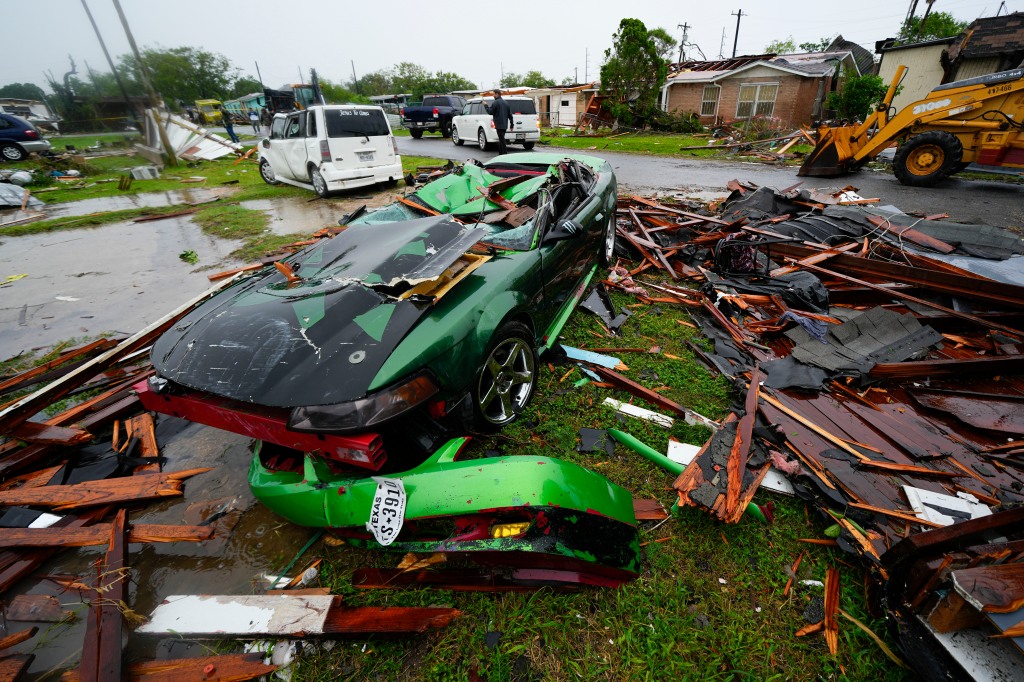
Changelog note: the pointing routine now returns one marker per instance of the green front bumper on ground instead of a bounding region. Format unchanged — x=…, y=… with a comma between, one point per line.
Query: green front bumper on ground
x=569, y=518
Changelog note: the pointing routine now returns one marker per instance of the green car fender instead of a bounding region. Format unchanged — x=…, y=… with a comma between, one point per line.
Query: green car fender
x=440, y=486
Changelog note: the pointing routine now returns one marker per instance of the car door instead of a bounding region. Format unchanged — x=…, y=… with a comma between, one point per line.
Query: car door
x=274, y=147
x=568, y=261
x=295, y=146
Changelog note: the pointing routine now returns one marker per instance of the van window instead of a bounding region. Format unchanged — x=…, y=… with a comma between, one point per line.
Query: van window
x=522, y=106
x=478, y=108
x=311, y=125
x=296, y=126
x=277, y=128
x=355, y=123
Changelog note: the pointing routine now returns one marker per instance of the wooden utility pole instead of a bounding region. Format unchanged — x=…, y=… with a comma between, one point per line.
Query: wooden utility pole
x=154, y=101
x=682, y=43
x=738, y=15
x=113, y=69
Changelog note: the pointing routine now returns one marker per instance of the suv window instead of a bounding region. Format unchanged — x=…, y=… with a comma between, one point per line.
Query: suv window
x=296, y=126
x=355, y=123
x=477, y=108
x=5, y=123
x=522, y=106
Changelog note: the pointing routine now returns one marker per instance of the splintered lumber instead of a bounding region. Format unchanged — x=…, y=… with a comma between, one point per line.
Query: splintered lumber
x=997, y=588
x=100, y=534
x=41, y=608
x=224, y=668
x=985, y=366
x=911, y=235
x=101, y=659
x=831, y=607
x=16, y=565
x=649, y=510
x=46, y=434
x=633, y=388
x=24, y=408
x=737, y=465
x=109, y=491
x=18, y=637
x=814, y=258
x=31, y=375
x=285, y=615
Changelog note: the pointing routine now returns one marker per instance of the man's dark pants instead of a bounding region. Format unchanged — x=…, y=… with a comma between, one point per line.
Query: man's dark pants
x=502, y=147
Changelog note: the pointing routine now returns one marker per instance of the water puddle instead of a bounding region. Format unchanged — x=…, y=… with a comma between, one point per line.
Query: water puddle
x=289, y=215
x=130, y=201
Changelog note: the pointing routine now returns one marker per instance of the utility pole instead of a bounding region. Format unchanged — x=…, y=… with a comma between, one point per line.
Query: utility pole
x=117, y=76
x=355, y=81
x=682, y=43
x=154, y=101
x=721, y=45
x=586, y=65
x=738, y=15
x=927, y=11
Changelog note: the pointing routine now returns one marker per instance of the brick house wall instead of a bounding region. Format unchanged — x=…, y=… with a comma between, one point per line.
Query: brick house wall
x=794, y=103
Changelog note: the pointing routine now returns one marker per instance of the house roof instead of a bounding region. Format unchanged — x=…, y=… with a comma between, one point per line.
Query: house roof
x=864, y=58
x=993, y=36
x=806, y=64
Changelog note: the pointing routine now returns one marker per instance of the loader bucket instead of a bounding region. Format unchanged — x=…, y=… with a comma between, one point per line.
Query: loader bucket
x=830, y=157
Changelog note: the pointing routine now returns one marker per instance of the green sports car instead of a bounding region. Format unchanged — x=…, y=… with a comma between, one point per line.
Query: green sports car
x=416, y=321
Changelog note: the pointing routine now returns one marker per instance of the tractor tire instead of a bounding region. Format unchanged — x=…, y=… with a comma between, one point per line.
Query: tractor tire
x=925, y=159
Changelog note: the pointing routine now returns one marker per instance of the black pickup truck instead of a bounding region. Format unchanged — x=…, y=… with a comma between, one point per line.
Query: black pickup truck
x=434, y=114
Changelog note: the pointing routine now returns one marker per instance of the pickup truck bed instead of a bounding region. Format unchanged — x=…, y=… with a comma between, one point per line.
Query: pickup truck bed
x=433, y=115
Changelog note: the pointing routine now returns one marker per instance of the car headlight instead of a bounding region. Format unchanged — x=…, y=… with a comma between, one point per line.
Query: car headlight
x=367, y=412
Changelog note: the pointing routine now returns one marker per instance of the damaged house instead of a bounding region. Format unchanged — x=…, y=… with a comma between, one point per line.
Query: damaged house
x=791, y=88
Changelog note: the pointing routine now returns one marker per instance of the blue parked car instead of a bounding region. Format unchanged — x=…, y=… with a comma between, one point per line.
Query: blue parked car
x=19, y=138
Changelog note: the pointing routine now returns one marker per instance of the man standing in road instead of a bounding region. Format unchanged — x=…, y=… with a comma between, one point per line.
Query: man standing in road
x=254, y=119
x=501, y=114
x=229, y=127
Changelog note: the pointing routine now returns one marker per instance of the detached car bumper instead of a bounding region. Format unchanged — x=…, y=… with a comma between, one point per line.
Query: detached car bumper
x=37, y=146
x=360, y=177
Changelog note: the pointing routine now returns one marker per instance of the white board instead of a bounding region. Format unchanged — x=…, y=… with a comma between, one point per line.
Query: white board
x=239, y=615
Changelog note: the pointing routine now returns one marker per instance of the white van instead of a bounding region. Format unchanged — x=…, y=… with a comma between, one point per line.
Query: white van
x=330, y=148
x=475, y=123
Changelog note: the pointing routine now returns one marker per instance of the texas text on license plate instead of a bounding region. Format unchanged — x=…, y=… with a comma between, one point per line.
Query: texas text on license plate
x=365, y=156
x=520, y=137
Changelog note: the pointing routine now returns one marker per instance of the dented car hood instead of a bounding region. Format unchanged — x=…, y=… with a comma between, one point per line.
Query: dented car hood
x=319, y=337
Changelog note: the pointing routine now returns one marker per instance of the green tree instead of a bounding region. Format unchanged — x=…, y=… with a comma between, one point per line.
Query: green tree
x=337, y=93
x=632, y=74
x=787, y=46
x=376, y=83
x=819, y=46
x=22, y=91
x=666, y=45
x=244, y=86
x=856, y=96
x=185, y=74
x=531, y=79
x=937, y=25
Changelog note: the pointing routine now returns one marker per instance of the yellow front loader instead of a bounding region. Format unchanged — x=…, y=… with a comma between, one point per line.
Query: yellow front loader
x=978, y=120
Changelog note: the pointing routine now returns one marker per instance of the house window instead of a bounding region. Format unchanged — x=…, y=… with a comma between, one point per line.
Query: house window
x=565, y=102
x=756, y=99
x=709, y=100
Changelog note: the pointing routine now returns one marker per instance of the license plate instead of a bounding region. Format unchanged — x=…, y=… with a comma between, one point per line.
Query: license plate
x=365, y=156
x=520, y=137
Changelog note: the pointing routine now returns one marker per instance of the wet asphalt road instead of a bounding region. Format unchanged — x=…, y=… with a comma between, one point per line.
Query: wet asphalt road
x=971, y=201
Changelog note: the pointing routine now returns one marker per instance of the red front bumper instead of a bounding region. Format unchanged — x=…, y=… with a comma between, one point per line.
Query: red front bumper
x=264, y=423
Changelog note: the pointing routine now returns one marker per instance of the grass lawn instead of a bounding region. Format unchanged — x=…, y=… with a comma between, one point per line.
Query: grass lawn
x=657, y=144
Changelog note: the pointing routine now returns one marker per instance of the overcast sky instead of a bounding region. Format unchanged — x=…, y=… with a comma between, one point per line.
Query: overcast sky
x=478, y=40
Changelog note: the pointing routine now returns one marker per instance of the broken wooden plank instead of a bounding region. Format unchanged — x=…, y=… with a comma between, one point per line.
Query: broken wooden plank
x=223, y=668
x=46, y=434
x=102, y=655
x=109, y=491
x=650, y=396
x=13, y=668
x=99, y=534
x=18, y=637
x=28, y=376
x=911, y=235
x=997, y=588
x=814, y=258
x=737, y=465
x=831, y=606
x=41, y=608
x=284, y=616
x=649, y=510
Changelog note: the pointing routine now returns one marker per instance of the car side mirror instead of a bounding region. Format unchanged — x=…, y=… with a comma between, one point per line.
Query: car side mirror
x=563, y=230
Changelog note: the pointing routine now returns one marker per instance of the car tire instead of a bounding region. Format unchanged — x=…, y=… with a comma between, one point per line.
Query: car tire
x=925, y=159
x=481, y=139
x=416, y=134
x=446, y=129
x=506, y=382
x=528, y=145
x=12, y=152
x=319, y=184
x=608, y=242
x=267, y=173
x=455, y=136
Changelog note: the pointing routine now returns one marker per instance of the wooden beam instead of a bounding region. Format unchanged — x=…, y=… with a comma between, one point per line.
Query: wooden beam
x=99, y=534
x=225, y=668
x=101, y=659
x=109, y=491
